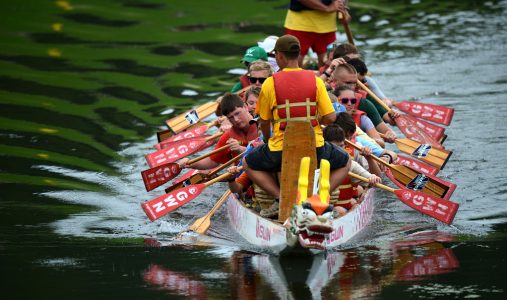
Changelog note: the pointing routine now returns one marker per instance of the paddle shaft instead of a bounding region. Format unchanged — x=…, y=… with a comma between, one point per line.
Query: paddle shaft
x=346, y=28
x=380, y=185
x=202, y=224
x=198, y=178
x=372, y=156
x=208, y=154
x=364, y=87
x=220, y=178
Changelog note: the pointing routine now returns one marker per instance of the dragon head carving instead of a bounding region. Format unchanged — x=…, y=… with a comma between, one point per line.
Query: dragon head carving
x=310, y=222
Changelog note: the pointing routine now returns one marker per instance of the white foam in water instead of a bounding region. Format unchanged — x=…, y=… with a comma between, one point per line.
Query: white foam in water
x=365, y=18
x=167, y=111
x=189, y=93
x=237, y=71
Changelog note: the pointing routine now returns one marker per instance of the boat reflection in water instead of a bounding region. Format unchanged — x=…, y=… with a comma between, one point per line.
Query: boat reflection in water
x=350, y=274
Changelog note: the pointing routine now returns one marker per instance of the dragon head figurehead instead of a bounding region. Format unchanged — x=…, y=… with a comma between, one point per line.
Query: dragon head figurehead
x=310, y=222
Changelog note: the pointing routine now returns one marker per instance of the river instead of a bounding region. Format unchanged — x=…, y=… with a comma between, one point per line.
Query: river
x=84, y=86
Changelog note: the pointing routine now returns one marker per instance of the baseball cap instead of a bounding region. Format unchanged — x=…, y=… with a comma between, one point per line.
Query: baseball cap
x=255, y=53
x=287, y=43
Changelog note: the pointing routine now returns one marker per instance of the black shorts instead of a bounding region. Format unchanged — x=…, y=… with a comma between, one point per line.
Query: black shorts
x=263, y=159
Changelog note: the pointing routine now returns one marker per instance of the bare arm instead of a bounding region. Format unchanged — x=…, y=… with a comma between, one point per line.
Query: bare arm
x=265, y=128
x=203, y=164
x=328, y=119
x=373, y=133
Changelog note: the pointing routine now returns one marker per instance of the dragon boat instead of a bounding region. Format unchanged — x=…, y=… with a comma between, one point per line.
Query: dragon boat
x=304, y=223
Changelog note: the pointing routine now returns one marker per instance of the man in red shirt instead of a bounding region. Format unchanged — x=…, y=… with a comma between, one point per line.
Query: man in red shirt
x=243, y=130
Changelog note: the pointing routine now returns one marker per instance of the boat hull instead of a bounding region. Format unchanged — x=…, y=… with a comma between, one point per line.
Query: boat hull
x=272, y=236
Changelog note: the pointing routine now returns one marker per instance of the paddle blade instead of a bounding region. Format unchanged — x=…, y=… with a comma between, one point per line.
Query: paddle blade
x=194, y=179
x=425, y=152
x=437, y=208
x=416, y=165
x=165, y=204
x=202, y=224
x=171, y=143
x=177, y=150
x=411, y=131
x=188, y=174
x=406, y=177
x=190, y=133
x=435, y=131
x=435, y=113
x=184, y=121
x=164, y=135
x=157, y=176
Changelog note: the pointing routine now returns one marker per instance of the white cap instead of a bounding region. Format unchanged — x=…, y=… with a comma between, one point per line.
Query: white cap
x=269, y=43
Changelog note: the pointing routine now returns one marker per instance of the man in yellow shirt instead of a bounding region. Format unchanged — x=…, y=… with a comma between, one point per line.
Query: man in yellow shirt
x=313, y=22
x=306, y=97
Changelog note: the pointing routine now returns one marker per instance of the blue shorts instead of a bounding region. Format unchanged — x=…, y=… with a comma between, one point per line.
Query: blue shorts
x=263, y=159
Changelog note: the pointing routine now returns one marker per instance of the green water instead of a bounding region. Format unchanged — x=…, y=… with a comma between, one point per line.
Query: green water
x=84, y=86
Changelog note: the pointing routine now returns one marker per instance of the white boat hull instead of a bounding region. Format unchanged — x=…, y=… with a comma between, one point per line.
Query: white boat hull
x=272, y=236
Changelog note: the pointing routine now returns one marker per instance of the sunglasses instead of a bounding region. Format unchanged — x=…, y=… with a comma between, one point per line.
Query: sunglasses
x=255, y=79
x=346, y=100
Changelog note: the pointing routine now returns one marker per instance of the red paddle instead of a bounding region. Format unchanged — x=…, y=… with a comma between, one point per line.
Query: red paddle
x=431, y=112
x=435, y=131
x=190, y=133
x=180, y=149
x=416, y=165
x=166, y=203
x=159, y=175
x=409, y=128
x=437, y=208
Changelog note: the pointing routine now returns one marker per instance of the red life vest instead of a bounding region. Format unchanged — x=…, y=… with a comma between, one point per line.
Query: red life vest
x=244, y=81
x=296, y=94
x=243, y=138
x=348, y=190
x=360, y=94
x=356, y=115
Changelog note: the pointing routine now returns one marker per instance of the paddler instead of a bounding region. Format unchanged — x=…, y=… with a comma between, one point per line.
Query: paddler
x=243, y=130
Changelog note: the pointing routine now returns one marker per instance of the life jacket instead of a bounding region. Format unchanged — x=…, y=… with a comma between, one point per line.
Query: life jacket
x=356, y=115
x=242, y=138
x=296, y=94
x=360, y=94
x=244, y=81
x=347, y=189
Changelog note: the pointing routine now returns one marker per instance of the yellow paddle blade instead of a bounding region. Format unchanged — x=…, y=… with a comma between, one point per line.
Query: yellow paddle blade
x=324, y=181
x=304, y=169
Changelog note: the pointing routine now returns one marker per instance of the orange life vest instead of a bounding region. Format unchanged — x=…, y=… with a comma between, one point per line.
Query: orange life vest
x=296, y=94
